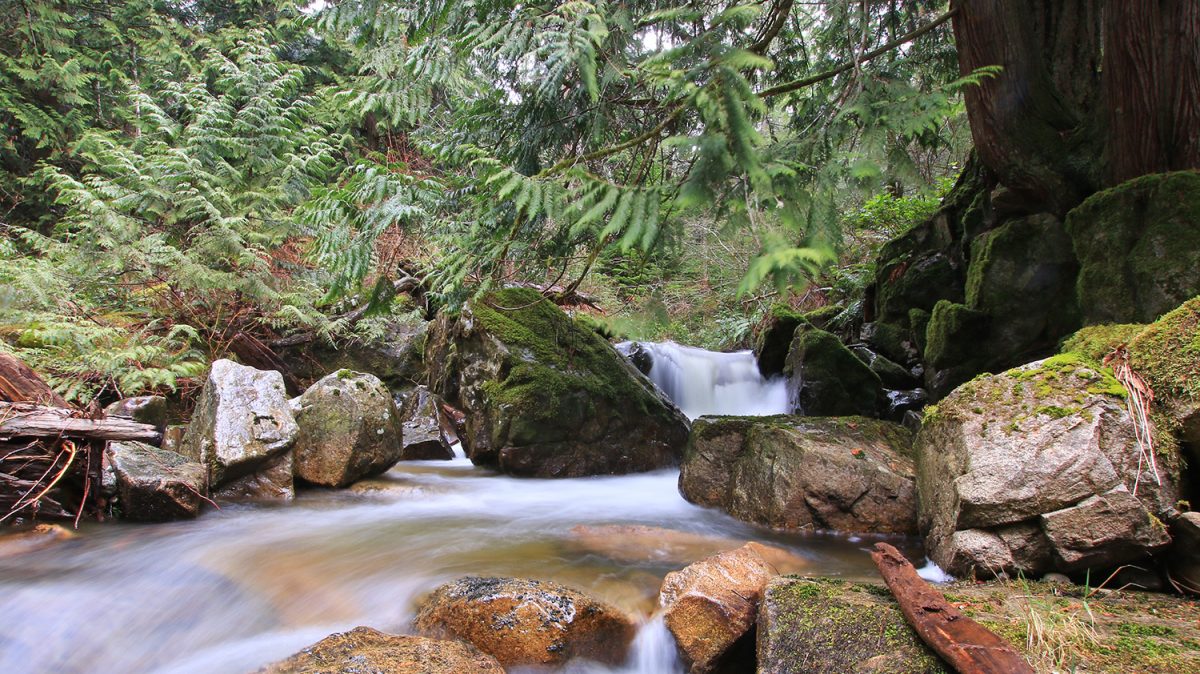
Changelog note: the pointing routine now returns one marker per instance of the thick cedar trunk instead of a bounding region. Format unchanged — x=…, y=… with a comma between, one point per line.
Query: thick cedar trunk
x=1055, y=126
x=970, y=648
x=1032, y=123
x=1152, y=87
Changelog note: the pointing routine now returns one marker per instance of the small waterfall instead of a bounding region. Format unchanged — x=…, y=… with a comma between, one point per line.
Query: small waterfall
x=653, y=650
x=709, y=382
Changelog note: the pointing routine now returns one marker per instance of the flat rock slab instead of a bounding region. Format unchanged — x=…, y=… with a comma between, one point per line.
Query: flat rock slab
x=526, y=622
x=642, y=544
x=367, y=651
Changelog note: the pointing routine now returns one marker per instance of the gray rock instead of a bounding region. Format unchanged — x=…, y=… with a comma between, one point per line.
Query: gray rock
x=1184, y=559
x=154, y=485
x=826, y=379
x=272, y=480
x=422, y=420
x=143, y=409
x=1025, y=457
x=848, y=474
x=242, y=422
x=349, y=429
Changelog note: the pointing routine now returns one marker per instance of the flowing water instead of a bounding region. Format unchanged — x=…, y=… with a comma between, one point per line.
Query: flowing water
x=252, y=583
x=707, y=382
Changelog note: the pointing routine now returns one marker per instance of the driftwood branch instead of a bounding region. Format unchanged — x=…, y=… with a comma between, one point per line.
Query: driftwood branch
x=38, y=421
x=20, y=384
x=967, y=646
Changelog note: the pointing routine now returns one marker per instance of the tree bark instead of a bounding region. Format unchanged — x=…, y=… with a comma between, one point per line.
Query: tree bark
x=1032, y=124
x=38, y=421
x=970, y=648
x=19, y=384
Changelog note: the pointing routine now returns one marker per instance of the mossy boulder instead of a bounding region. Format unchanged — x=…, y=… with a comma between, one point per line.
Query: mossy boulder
x=1035, y=470
x=823, y=626
x=1167, y=355
x=365, y=650
x=526, y=622
x=850, y=474
x=242, y=425
x=1098, y=341
x=827, y=379
x=952, y=346
x=1139, y=247
x=349, y=429
x=891, y=375
x=546, y=397
x=773, y=338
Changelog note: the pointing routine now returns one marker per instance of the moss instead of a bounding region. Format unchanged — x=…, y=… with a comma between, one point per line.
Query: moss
x=918, y=322
x=1167, y=353
x=774, y=336
x=821, y=318
x=1138, y=244
x=556, y=364
x=1056, y=412
x=1060, y=372
x=832, y=380
x=1097, y=341
x=954, y=334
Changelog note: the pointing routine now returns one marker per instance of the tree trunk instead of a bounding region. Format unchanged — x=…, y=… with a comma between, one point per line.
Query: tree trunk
x=1033, y=124
x=1152, y=87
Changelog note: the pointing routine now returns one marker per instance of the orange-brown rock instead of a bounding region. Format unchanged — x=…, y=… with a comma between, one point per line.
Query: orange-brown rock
x=33, y=539
x=367, y=651
x=526, y=622
x=711, y=604
x=640, y=544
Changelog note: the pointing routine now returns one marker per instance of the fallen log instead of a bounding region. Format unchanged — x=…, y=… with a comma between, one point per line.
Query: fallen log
x=39, y=421
x=967, y=646
x=20, y=384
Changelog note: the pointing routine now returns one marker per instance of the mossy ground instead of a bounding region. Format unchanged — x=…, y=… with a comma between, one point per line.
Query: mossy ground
x=1097, y=341
x=1167, y=352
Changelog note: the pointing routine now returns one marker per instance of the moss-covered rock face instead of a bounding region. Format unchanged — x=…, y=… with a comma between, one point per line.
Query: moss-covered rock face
x=1139, y=247
x=1097, y=341
x=773, y=338
x=394, y=355
x=848, y=474
x=349, y=429
x=1167, y=355
x=546, y=397
x=826, y=379
x=952, y=338
x=831, y=626
x=1035, y=469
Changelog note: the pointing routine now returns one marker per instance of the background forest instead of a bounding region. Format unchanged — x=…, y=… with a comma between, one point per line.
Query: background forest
x=183, y=180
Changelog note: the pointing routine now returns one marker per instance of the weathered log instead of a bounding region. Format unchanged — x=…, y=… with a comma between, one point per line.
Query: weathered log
x=253, y=352
x=39, y=421
x=967, y=646
x=20, y=384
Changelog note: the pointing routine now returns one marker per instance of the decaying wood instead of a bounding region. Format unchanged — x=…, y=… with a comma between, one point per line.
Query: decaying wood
x=964, y=644
x=20, y=384
x=26, y=420
x=253, y=352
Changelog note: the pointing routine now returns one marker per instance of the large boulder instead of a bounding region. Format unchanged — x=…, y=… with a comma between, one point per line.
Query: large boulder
x=1139, y=247
x=155, y=485
x=773, y=337
x=546, y=397
x=242, y=425
x=363, y=650
x=349, y=429
x=1036, y=470
x=1167, y=355
x=849, y=474
x=526, y=622
x=423, y=421
x=820, y=626
x=826, y=379
x=711, y=604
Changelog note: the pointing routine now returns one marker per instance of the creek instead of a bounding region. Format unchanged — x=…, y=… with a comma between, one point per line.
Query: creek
x=252, y=583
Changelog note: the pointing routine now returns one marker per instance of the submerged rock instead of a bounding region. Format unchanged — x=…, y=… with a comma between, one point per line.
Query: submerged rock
x=849, y=474
x=641, y=544
x=242, y=423
x=155, y=485
x=367, y=651
x=711, y=604
x=826, y=379
x=423, y=423
x=1034, y=470
x=545, y=397
x=822, y=626
x=526, y=622
x=349, y=429
x=38, y=537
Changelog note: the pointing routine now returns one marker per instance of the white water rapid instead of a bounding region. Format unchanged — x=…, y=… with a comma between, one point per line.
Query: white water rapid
x=708, y=382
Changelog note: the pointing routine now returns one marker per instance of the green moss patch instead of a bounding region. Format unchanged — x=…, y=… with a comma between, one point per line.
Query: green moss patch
x=1167, y=353
x=1097, y=341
